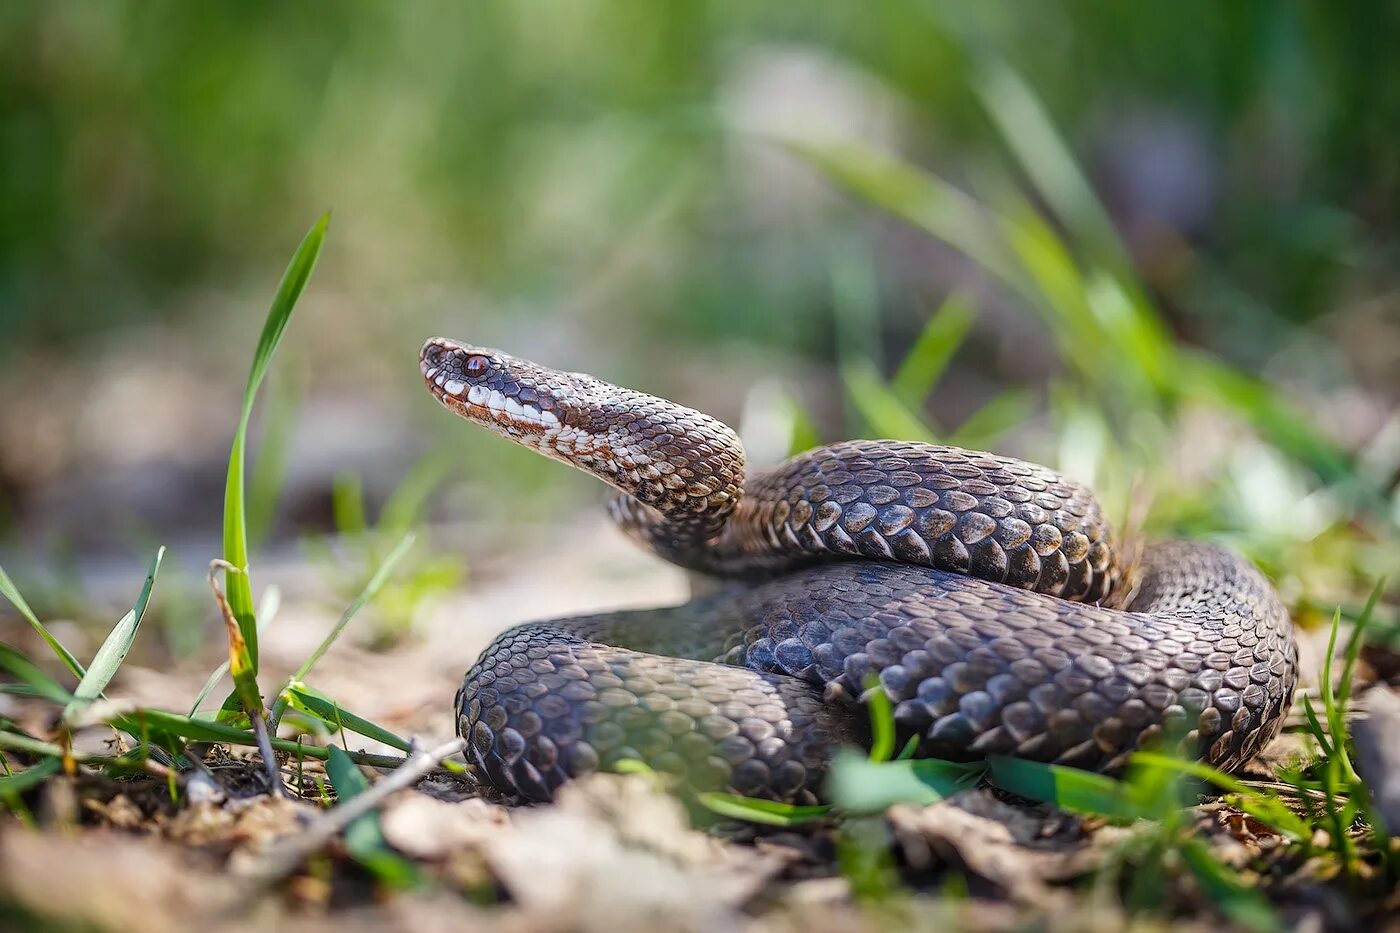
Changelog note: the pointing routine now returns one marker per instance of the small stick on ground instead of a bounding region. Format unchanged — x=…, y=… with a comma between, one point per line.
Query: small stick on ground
x=284, y=857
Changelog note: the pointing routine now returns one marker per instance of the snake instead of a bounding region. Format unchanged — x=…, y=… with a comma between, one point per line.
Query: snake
x=986, y=597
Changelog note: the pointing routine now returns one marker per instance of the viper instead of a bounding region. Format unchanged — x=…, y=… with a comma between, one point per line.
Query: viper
x=986, y=596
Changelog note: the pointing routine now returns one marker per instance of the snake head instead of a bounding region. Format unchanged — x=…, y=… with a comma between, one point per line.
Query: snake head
x=513, y=397
x=679, y=461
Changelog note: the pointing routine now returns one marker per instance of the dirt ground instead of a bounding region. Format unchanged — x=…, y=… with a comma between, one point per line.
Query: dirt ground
x=613, y=853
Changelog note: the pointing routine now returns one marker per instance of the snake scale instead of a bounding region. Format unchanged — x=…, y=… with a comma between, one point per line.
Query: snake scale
x=984, y=595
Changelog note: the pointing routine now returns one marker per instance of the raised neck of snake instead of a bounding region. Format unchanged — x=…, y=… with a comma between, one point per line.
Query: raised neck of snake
x=681, y=471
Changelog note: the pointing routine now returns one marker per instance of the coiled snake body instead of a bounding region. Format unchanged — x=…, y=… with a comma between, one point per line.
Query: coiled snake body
x=983, y=594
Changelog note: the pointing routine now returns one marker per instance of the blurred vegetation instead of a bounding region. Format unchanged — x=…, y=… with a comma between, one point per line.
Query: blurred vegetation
x=1109, y=237
x=150, y=150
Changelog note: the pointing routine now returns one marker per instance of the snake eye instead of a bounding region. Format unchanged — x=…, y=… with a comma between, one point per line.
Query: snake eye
x=477, y=365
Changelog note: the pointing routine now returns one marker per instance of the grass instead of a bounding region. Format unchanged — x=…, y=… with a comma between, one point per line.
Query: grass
x=357, y=560
x=240, y=588
x=160, y=736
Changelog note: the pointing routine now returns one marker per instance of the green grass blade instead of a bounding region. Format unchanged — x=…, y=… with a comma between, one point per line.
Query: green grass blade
x=28, y=672
x=294, y=279
x=1319, y=734
x=1029, y=133
x=1333, y=706
x=881, y=720
x=926, y=361
x=886, y=415
x=267, y=611
x=1203, y=378
x=348, y=504
x=858, y=785
x=404, y=507
x=246, y=698
x=1354, y=642
x=920, y=198
x=988, y=424
x=317, y=704
x=1262, y=806
x=1059, y=293
x=270, y=464
x=117, y=645
x=11, y=592
x=1227, y=891
x=15, y=784
x=766, y=812
x=1069, y=788
x=197, y=730
x=363, y=838
x=155, y=721
x=19, y=742
x=804, y=435
x=376, y=582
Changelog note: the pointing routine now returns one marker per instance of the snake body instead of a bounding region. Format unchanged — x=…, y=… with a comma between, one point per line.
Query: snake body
x=986, y=596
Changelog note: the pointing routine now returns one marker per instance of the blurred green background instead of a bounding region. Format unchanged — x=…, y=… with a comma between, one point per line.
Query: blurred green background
x=1162, y=238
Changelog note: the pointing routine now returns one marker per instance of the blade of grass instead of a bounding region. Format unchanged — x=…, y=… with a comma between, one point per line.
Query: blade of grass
x=1069, y=788
x=363, y=838
x=24, y=743
x=405, y=504
x=267, y=611
x=117, y=645
x=240, y=661
x=766, y=812
x=270, y=464
x=886, y=415
x=376, y=582
x=26, y=670
x=1266, y=807
x=1226, y=890
x=1029, y=133
x=858, y=785
x=927, y=359
x=322, y=707
x=1354, y=642
x=294, y=279
x=881, y=720
x=348, y=503
x=922, y=199
x=132, y=761
x=984, y=427
x=1332, y=709
x=1060, y=296
x=15, y=784
x=1319, y=734
x=204, y=730
x=11, y=592
x=245, y=679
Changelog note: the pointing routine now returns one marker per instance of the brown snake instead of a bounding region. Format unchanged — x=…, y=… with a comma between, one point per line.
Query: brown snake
x=984, y=594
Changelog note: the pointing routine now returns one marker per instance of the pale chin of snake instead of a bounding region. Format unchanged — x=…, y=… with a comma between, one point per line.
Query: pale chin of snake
x=982, y=594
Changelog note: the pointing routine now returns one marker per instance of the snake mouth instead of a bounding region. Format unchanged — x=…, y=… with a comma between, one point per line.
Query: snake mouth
x=468, y=382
